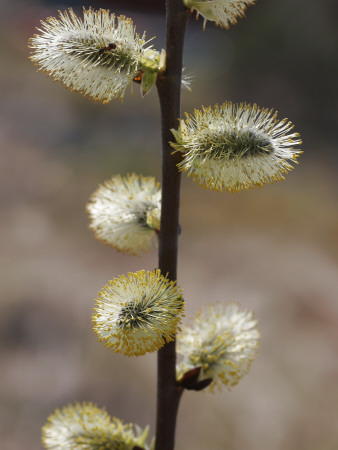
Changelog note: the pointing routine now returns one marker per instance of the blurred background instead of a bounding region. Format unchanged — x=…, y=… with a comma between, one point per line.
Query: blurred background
x=274, y=250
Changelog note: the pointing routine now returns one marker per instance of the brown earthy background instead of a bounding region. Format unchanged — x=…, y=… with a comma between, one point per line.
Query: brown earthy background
x=274, y=249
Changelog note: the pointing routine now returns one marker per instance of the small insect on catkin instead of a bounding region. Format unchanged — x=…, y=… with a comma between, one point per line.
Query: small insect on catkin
x=97, y=56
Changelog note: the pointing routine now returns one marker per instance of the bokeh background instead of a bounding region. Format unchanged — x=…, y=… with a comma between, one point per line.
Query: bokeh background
x=274, y=249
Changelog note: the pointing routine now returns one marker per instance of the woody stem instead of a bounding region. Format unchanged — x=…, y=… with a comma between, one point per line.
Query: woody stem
x=169, y=91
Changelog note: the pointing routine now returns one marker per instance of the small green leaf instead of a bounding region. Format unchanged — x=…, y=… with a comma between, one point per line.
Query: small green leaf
x=148, y=81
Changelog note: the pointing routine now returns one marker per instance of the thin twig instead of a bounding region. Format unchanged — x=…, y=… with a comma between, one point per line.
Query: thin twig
x=169, y=91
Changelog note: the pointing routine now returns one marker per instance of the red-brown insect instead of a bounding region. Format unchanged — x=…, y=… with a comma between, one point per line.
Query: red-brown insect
x=109, y=47
x=138, y=78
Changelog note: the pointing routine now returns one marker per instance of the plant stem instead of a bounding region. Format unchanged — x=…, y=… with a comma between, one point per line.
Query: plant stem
x=169, y=91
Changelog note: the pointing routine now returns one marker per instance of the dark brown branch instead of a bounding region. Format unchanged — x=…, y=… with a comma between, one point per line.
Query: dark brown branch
x=169, y=90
